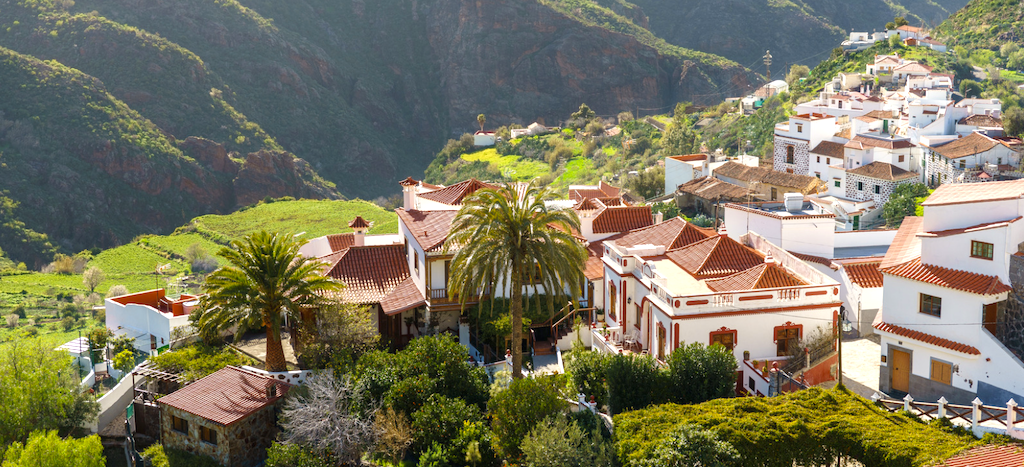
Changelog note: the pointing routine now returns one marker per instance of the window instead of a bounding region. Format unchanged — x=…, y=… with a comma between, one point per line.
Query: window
x=981, y=250
x=819, y=159
x=828, y=161
x=612, y=295
x=860, y=186
x=901, y=157
x=790, y=154
x=999, y=160
x=837, y=183
x=786, y=338
x=963, y=164
x=750, y=383
x=799, y=128
x=789, y=171
x=208, y=435
x=817, y=174
x=942, y=372
x=775, y=194
x=878, y=189
x=840, y=104
x=725, y=337
x=931, y=305
x=416, y=261
x=179, y=424
x=639, y=316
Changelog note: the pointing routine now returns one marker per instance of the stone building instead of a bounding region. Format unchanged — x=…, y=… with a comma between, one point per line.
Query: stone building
x=230, y=416
x=876, y=181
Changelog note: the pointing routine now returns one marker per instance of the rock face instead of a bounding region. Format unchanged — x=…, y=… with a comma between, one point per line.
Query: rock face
x=517, y=61
x=276, y=174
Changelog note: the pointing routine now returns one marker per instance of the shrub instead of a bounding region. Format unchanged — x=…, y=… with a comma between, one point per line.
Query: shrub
x=20, y=311
x=471, y=447
x=30, y=331
x=293, y=455
x=558, y=442
x=46, y=448
x=170, y=457
x=689, y=445
x=700, y=373
x=193, y=361
x=92, y=278
x=12, y=320
x=67, y=323
x=117, y=291
x=588, y=371
x=439, y=421
x=394, y=434
x=101, y=315
x=62, y=264
x=526, y=402
x=634, y=382
x=321, y=416
x=124, y=361
x=70, y=311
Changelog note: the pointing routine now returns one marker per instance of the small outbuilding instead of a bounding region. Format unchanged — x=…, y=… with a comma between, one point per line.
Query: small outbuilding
x=230, y=416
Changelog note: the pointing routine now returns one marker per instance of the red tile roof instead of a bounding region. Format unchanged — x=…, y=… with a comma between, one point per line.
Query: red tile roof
x=861, y=142
x=340, y=242
x=926, y=338
x=814, y=259
x=623, y=219
x=973, y=228
x=593, y=268
x=429, y=228
x=454, y=194
x=226, y=396
x=673, y=233
x=713, y=257
x=974, y=143
x=405, y=296
x=975, y=283
x=914, y=68
x=959, y=193
x=882, y=171
x=829, y=149
x=992, y=455
x=906, y=245
x=602, y=190
x=981, y=120
x=369, y=273
x=865, y=275
x=359, y=223
x=409, y=181
x=762, y=276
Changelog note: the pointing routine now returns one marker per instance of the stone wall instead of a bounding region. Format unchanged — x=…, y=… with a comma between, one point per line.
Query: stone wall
x=1010, y=329
x=241, y=444
x=885, y=190
x=801, y=156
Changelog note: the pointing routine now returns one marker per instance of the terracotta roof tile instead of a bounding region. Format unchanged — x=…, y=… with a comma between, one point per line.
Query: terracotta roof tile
x=845, y=133
x=714, y=189
x=886, y=143
x=882, y=171
x=958, y=193
x=880, y=114
x=593, y=269
x=673, y=233
x=955, y=279
x=829, y=149
x=429, y=228
x=982, y=120
x=226, y=396
x=340, y=242
x=369, y=273
x=974, y=143
x=926, y=338
x=623, y=219
x=865, y=274
x=993, y=455
x=689, y=157
x=454, y=194
x=802, y=183
x=906, y=245
x=359, y=223
x=714, y=257
x=973, y=228
x=602, y=190
x=762, y=276
x=814, y=259
x=914, y=68
x=409, y=181
x=405, y=296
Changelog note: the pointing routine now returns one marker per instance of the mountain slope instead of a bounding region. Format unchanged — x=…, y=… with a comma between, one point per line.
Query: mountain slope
x=985, y=24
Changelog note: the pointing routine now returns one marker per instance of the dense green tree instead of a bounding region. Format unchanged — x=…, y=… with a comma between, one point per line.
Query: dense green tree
x=796, y=72
x=293, y=455
x=690, y=446
x=970, y=88
x=584, y=114
x=588, y=371
x=700, y=373
x=560, y=442
x=439, y=421
x=1013, y=121
x=680, y=138
x=46, y=449
x=481, y=119
x=40, y=391
x=509, y=236
x=902, y=203
x=514, y=411
x=266, y=280
x=648, y=183
x=634, y=382
x=900, y=21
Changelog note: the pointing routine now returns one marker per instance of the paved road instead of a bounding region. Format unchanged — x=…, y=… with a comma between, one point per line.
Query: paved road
x=861, y=361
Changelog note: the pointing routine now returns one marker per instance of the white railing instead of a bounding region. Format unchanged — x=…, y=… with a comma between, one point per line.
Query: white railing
x=709, y=303
x=1000, y=420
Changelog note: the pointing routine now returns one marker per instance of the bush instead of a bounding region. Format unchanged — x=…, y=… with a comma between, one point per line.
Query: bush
x=689, y=445
x=70, y=311
x=293, y=455
x=193, y=361
x=526, y=402
x=699, y=373
x=20, y=311
x=472, y=446
x=634, y=382
x=588, y=371
x=170, y=457
x=321, y=416
x=124, y=361
x=558, y=442
x=117, y=291
x=439, y=420
x=45, y=448
x=12, y=320
x=67, y=323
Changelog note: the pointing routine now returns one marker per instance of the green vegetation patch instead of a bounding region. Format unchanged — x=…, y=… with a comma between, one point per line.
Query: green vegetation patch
x=315, y=218
x=195, y=361
x=806, y=428
x=510, y=167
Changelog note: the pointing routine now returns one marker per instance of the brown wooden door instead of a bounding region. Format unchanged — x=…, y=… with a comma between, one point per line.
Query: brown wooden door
x=990, y=316
x=900, y=371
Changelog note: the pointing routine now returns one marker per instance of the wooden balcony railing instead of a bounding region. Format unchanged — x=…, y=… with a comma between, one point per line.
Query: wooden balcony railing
x=441, y=297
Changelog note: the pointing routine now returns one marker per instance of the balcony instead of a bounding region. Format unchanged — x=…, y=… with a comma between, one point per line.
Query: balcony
x=438, y=297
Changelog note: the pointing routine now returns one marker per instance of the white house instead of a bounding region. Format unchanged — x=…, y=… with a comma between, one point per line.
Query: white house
x=148, y=317
x=484, y=138
x=682, y=169
x=945, y=315
x=973, y=158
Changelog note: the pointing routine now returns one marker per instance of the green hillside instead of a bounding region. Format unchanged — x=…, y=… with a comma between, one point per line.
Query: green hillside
x=984, y=24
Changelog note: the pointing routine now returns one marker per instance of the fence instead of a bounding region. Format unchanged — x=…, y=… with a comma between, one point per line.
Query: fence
x=1004, y=419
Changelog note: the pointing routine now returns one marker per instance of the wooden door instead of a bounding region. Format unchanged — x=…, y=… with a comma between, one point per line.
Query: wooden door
x=990, y=317
x=900, y=371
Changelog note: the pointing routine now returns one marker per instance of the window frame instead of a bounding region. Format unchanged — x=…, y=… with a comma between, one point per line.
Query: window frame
x=612, y=299
x=207, y=435
x=930, y=305
x=860, y=186
x=976, y=245
x=878, y=189
x=790, y=154
x=179, y=425
x=837, y=183
x=723, y=331
x=787, y=338
x=945, y=373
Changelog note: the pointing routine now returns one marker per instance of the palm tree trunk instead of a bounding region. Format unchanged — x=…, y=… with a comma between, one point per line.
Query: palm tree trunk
x=517, y=323
x=275, y=351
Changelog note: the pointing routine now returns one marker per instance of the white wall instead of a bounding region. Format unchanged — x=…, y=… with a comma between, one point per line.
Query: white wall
x=901, y=298
x=812, y=236
x=954, y=251
x=418, y=277
x=676, y=173
x=955, y=216
x=144, y=319
x=859, y=238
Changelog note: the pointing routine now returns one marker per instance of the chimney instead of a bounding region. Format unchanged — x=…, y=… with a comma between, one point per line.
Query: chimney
x=659, y=217
x=409, y=193
x=794, y=202
x=722, y=231
x=769, y=259
x=360, y=226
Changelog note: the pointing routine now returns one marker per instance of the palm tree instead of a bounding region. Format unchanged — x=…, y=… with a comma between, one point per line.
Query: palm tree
x=481, y=119
x=267, y=279
x=507, y=236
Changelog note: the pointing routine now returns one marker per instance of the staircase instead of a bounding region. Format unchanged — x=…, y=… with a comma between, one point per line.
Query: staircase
x=547, y=337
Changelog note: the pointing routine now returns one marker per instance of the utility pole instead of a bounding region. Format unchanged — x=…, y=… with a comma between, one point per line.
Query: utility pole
x=768, y=63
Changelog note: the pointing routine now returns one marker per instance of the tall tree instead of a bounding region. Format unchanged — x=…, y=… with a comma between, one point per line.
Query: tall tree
x=265, y=281
x=507, y=236
x=481, y=119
